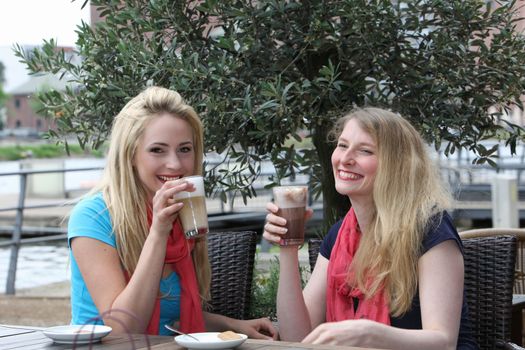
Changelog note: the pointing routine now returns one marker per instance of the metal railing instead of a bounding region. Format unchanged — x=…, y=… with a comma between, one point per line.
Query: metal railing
x=458, y=175
x=16, y=239
x=226, y=213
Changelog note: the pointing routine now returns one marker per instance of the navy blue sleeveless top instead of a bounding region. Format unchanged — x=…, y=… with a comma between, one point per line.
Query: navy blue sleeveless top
x=440, y=230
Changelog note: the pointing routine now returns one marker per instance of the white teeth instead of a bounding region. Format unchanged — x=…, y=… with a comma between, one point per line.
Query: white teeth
x=348, y=176
x=166, y=178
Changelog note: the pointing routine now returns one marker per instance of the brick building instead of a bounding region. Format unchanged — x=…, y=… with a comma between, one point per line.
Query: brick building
x=21, y=118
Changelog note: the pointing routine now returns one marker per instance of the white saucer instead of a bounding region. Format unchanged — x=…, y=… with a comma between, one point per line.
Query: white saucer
x=208, y=340
x=77, y=334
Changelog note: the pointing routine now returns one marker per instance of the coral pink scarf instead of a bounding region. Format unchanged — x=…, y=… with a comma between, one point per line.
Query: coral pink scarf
x=178, y=255
x=339, y=294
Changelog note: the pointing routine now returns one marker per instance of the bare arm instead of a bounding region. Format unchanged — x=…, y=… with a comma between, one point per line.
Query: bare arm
x=300, y=311
x=100, y=267
x=297, y=313
x=441, y=296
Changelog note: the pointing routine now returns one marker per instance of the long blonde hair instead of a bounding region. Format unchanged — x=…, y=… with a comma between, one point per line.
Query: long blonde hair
x=408, y=192
x=124, y=193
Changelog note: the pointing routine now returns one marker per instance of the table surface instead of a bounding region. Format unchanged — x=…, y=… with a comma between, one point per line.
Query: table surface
x=21, y=337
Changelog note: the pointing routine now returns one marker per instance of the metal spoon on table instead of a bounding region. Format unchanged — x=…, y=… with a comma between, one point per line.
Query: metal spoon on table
x=179, y=332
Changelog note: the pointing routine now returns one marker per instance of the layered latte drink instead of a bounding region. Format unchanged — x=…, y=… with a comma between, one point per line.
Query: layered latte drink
x=291, y=201
x=193, y=215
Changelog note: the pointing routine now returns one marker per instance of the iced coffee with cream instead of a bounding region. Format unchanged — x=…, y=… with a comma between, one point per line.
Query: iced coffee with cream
x=292, y=201
x=193, y=215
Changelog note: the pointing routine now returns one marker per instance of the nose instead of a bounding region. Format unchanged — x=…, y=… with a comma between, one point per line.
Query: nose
x=348, y=157
x=173, y=162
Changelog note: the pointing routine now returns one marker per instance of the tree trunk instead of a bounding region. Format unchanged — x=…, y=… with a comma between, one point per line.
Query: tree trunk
x=335, y=206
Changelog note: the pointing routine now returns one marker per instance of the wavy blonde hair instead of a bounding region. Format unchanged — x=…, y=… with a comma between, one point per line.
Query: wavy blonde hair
x=125, y=195
x=408, y=192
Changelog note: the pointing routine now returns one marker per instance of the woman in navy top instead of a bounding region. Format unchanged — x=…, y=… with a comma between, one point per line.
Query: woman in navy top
x=390, y=274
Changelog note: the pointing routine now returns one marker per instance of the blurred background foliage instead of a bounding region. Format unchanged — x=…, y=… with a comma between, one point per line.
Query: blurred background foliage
x=264, y=289
x=263, y=73
x=17, y=152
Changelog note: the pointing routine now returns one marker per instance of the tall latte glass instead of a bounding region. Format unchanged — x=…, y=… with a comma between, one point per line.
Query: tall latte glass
x=291, y=201
x=193, y=215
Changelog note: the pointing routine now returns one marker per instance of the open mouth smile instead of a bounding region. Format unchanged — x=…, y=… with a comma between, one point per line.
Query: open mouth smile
x=344, y=175
x=168, y=178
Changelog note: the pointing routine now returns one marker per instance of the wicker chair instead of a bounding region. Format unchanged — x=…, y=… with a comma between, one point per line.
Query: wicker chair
x=313, y=251
x=519, y=276
x=519, y=272
x=232, y=256
x=489, y=263
x=489, y=272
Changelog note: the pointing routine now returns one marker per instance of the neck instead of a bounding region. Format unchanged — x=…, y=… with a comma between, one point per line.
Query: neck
x=364, y=210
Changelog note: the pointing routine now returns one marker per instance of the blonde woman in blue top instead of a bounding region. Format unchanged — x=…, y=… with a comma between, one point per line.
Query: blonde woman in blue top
x=130, y=261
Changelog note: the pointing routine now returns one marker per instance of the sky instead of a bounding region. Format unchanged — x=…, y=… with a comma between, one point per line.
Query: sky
x=29, y=22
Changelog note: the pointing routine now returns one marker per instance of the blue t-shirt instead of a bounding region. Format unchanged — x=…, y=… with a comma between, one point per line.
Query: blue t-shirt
x=440, y=229
x=90, y=218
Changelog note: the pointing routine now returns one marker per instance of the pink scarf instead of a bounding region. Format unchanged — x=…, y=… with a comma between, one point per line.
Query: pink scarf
x=339, y=294
x=178, y=251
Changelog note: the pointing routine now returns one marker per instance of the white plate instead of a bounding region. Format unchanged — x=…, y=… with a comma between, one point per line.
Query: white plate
x=208, y=340
x=76, y=334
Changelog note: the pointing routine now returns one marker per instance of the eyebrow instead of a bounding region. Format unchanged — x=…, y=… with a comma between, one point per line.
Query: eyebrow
x=360, y=143
x=166, y=145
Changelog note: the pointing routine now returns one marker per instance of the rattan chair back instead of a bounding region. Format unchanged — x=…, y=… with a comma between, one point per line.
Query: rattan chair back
x=313, y=251
x=519, y=271
x=489, y=272
x=232, y=256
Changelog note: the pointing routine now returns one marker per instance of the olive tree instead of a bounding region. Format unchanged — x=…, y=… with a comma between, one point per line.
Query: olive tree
x=265, y=75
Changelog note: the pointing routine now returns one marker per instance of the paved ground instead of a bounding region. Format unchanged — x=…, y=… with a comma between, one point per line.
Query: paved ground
x=41, y=306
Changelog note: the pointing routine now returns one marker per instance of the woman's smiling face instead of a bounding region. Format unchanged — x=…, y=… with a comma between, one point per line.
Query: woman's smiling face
x=354, y=161
x=165, y=152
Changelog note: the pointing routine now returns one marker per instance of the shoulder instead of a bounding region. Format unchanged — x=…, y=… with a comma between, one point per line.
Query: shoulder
x=440, y=228
x=93, y=202
x=329, y=240
x=90, y=218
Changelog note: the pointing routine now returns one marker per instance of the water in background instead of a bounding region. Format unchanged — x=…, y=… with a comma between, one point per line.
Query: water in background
x=38, y=265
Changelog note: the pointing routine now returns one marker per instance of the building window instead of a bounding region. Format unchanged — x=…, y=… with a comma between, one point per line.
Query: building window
x=18, y=124
x=17, y=103
x=38, y=124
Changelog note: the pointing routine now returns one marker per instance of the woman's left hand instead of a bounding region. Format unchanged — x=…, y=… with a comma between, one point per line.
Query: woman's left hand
x=349, y=333
x=259, y=328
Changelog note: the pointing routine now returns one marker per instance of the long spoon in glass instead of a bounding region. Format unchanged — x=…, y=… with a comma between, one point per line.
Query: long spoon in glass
x=179, y=332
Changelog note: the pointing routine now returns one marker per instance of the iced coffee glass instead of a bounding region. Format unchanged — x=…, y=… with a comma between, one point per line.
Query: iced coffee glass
x=291, y=201
x=193, y=215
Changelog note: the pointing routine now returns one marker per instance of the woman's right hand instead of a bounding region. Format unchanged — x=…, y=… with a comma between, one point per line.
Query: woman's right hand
x=274, y=227
x=165, y=208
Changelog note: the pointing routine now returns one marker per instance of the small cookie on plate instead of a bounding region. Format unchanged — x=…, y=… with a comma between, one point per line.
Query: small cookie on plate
x=229, y=335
